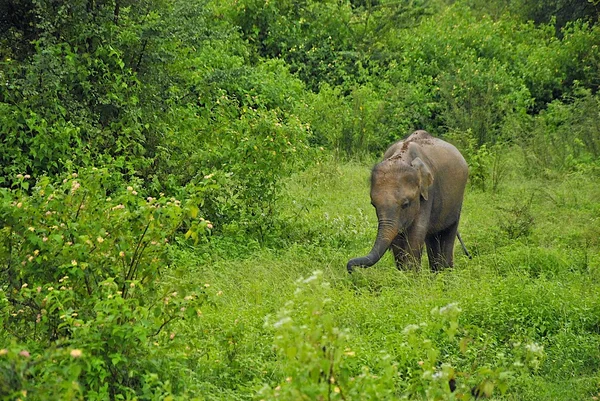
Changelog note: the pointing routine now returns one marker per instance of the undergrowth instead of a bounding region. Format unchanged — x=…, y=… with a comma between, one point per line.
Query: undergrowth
x=524, y=309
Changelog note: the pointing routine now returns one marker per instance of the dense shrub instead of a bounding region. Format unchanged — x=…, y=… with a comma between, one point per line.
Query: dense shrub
x=540, y=11
x=243, y=151
x=351, y=124
x=168, y=101
x=314, y=37
x=80, y=279
x=103, y=105
x=76, y=94
x=562, y=137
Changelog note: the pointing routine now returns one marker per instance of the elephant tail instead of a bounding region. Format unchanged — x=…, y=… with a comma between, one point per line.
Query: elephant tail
x=463, y=246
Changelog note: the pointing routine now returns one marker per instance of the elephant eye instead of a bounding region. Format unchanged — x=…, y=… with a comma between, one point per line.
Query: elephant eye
x=405, y=204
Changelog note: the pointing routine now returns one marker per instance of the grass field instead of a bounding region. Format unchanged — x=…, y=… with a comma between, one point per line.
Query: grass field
x=534, y=279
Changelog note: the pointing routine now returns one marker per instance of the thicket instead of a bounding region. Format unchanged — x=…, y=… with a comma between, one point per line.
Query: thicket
x=127, y=126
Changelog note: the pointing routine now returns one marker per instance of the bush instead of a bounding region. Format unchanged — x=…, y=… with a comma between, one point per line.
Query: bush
x=316, y=361
x=488, y=164
x=349, y=124
x=76, y=94
x=478, y=96
x=563, y=137
x=314, y=357
x=315, y=38
x=83, y=261
x=235, y=160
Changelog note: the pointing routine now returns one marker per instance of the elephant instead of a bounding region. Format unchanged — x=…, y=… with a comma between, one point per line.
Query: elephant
x=417, y=191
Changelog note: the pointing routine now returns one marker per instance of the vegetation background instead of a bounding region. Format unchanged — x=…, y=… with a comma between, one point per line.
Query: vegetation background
x=182, y=183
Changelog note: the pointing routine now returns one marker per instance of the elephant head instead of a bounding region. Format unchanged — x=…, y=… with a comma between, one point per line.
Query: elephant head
x=398, y=189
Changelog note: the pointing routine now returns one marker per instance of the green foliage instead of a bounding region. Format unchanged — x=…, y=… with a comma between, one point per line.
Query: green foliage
x=219, y=107
x=314, y=354
x=92, y=99
x=462, y=66
x=478, y=96
x=350, y=124
x=54, y=372
x=243, y=159
x=168, y=102
x=454, y=68
x=488, y=165
x=517, y=220
x=82, y=260
x=318, y=363
x=541, y=11
x=563, y=137
x=553, y=67
x=432, y=380
x=314, y=37
x=77, y=94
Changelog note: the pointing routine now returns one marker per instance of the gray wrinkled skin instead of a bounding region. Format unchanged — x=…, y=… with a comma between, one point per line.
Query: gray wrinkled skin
x=417, y=191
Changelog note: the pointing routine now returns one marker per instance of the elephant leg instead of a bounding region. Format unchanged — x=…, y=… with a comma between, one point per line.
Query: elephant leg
x=406, y=253
x=434, y=252
x=447, y=240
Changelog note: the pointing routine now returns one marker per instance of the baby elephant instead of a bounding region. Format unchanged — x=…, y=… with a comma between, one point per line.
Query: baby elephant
x=417, y=191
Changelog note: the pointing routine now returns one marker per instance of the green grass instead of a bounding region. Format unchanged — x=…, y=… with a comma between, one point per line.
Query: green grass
x=542, y=287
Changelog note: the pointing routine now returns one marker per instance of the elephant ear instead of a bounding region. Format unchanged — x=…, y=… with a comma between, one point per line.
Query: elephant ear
x=425, y=176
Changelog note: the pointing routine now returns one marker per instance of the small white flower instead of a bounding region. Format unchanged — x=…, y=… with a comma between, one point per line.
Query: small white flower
x=411, y=328
x=281, y=322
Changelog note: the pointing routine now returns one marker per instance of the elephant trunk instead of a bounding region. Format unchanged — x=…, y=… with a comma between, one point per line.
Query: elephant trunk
x=386, y=232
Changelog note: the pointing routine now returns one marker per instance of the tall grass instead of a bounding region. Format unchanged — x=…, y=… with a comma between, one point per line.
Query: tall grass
x=537, y=288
